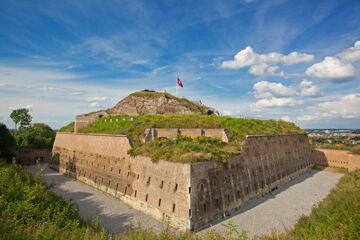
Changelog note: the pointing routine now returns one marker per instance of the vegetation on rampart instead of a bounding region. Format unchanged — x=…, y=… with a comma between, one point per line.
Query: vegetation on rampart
x=184, y=149
x=68, y=128
x=29, y=210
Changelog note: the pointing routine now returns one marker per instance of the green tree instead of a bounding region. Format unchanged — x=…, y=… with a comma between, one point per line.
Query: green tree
x=21, y=116
x=39, y=135
x=7, y=143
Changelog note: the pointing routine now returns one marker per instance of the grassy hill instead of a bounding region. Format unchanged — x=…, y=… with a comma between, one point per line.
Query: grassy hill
x=185, y=149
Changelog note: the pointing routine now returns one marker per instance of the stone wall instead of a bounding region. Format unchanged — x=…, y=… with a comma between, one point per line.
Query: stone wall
x=29, y=156
x=187, y=196
x=265, y=163
x=336, y=158
x=154, y=133
x=158, y=189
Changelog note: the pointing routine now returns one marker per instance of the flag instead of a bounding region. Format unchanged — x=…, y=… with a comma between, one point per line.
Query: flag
x=179, y=82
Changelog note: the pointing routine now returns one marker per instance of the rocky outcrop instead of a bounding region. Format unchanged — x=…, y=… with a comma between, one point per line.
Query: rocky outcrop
x=152, y=103
x=147, y=103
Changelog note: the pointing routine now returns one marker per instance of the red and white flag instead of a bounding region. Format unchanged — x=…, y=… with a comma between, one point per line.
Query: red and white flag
x=179, y=82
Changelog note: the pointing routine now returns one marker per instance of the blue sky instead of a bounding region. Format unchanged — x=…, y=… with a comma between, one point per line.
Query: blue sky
x=292, y=60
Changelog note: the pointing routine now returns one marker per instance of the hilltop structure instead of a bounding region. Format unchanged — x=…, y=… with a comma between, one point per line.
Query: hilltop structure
x=147, y=102
x=188, y=195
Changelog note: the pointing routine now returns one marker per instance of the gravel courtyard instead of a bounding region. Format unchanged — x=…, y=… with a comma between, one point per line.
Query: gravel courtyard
x=278, y=210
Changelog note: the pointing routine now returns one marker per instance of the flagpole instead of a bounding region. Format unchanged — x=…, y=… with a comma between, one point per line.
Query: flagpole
x=177, y=84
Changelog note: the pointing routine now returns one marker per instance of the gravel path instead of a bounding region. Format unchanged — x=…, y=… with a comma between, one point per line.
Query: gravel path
x=112, y=213
x=275, y=211
x=283, y=207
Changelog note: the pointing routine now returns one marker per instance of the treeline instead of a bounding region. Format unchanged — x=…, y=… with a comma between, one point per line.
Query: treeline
x=25, y=135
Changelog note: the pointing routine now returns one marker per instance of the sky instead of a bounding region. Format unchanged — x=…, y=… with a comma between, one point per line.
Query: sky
x=280, y=59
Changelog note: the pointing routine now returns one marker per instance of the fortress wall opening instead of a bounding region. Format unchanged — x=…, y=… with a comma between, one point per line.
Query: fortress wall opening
x=265, y=163
x=158, y=189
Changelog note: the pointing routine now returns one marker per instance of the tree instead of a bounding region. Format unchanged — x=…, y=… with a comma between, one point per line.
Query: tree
x=7, y=143
x=39, y=135
x=21, y=116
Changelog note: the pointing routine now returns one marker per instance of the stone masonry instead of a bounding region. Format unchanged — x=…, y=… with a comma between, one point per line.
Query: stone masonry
x=187, y=196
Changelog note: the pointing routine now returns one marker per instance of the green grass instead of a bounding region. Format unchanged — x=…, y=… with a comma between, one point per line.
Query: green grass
x=135, y=126
x=68, y=128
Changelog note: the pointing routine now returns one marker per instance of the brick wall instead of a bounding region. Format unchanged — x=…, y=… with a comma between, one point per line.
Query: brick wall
x=336, y=158
x=265, y=163
x=171, y=133
x=158, y=189
x=188, y=196
x=29, y=156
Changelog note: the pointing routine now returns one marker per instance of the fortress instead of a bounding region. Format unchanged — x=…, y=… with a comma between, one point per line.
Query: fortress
x=188, y=196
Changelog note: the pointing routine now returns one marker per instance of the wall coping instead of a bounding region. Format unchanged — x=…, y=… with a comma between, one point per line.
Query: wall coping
x=274, y=135
x=95, y=134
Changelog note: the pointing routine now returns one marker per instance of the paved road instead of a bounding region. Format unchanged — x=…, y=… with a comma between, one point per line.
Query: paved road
x=283, y=207
x=278, y=210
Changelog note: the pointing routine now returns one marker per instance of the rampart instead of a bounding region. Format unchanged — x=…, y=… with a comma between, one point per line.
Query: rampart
x=153, y=133
x=29, y=156
x=336, y=158
x=187, y=196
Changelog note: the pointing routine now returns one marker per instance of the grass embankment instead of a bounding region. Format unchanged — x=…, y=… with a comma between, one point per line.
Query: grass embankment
x=185, y=149
x=29, y=210
x=354, y=149
x=68, y=128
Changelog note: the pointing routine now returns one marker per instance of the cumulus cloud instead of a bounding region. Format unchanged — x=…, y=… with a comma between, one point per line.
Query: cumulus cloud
x=275, y=102
x=101, y=99
x=286, y=118
x=331, y=68
x=259, y=63
x=264, y=69
x=351, y=54
x=308, y=89
x=346, y=107
x=266, y=89
x=248, y=57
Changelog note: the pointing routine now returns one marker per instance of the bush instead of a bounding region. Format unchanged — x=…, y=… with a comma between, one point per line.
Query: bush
x=7, y=143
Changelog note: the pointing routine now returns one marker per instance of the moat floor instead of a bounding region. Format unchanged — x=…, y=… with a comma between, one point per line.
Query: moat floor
x=275, y=211
x=282, y=208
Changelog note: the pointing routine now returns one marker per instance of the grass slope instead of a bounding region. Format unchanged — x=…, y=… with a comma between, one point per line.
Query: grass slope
x=185, y=149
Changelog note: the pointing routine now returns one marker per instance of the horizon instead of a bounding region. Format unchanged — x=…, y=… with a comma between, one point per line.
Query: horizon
x=273, y=60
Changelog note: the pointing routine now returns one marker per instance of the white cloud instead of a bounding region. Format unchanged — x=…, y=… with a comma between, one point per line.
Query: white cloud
x=351, y=54
x=247, y=57
x=266, y=89
x=308, y=89
x=286, y=118
x=99, y=99
x=264, y=69
x=346, y=107
x=94, y=104
x=275, y=102
x=331, y=68
x=305, y=118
